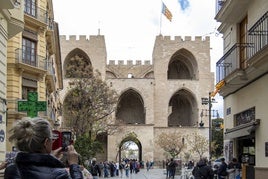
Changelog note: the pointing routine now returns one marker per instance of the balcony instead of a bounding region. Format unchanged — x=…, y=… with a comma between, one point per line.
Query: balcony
x=231, y=11
x=13, y=13
x=31, y=64
x=50, y=77
x=36, y=16
x=50, y=37
x=236, y=72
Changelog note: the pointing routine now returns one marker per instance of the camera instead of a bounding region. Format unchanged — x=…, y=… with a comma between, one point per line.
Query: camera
x=62, y=139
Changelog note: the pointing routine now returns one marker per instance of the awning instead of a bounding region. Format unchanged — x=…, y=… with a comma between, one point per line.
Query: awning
x=242, y=130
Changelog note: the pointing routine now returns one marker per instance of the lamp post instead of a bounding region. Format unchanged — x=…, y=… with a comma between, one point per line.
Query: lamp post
x=209, y=101
x=209, y=124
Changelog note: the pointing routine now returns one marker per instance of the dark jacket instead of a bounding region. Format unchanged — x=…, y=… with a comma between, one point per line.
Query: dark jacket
x=202, y=171
x=95, y=169
x=222, y=171
x=40, y=166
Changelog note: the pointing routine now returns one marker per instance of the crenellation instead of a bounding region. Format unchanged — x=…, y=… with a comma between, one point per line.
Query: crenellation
x=147, y=62
x=63, y=37
x=198, y=38
x=129, y=62
x=188, y=38
x=167, y=38
x=138, y=62
x=120, y=62
x=72, y=37
x=111, y=62
x=178, y=39
x=82, y=38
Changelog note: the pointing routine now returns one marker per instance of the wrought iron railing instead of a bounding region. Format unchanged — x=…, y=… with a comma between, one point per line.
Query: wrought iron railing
x=36, y=12
x=258, y=35
x=50, y=69
x=32, y=60
x=257, y=39
x=230, y=61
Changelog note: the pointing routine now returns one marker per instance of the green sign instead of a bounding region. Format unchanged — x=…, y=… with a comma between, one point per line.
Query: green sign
x=32, y=106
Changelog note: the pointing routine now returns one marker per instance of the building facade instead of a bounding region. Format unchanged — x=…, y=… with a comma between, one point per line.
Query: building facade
x=242, y=75
x=34, y=65
x=162, y=95
x=11, y=23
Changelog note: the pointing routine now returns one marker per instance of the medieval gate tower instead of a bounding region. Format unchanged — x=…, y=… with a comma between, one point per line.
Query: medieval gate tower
x=161, y=95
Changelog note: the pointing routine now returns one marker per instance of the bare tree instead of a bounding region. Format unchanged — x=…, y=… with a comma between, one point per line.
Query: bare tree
x=90, y=102
x=172, y=143
x=197, y=143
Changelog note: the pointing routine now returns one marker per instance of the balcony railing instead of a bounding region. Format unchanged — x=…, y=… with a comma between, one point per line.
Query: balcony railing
x=50, y=70
x=257, y=40
x=258, y=35
x=37, y=13
x=31, y=60
x=230, y=61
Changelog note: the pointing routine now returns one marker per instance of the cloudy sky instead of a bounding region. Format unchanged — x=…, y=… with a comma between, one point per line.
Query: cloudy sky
x=130, y=26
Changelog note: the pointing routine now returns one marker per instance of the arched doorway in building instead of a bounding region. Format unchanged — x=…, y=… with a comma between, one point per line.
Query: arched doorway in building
x=130, y=148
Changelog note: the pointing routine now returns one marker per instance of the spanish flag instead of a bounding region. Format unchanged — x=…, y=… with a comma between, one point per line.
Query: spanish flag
x=166, y=12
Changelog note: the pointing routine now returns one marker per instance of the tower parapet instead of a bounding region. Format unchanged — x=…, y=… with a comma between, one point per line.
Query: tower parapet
x=177, y=39
x=129, y=62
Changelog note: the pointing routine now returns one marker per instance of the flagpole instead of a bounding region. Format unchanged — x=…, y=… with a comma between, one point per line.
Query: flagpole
x=161, y=18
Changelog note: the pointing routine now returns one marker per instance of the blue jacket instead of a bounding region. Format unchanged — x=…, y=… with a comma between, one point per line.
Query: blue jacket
x=40, y=166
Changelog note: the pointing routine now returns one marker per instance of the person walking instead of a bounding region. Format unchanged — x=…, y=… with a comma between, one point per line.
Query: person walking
x=33, y=138
x=234, y=169
x=222, y=170
x=202, y=170
x=167, y=168
x=147, y=165
x=95, y=169
x=172, y=168
x=127, y=168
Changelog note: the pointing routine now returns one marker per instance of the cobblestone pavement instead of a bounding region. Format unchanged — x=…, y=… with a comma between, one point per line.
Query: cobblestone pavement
x=151, y=174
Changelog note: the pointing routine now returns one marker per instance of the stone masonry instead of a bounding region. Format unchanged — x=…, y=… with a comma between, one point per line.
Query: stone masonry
x=160, y=95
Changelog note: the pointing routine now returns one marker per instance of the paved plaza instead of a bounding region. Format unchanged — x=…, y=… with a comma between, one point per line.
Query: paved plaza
x=151, y=174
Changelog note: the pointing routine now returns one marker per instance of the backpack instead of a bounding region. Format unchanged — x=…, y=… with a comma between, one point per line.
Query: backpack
x=94, y=170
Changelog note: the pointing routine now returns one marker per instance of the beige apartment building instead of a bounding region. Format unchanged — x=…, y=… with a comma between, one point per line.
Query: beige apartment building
x=243, y=74
x=11, y=23
x=34, y=65
x=159, y=95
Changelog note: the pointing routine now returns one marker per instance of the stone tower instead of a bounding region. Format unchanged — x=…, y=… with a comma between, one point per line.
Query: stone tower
x=161, y=95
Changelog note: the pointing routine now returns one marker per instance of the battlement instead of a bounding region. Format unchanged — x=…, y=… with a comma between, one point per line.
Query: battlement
x=80, y=37
x=183, y=39
x=129, y=62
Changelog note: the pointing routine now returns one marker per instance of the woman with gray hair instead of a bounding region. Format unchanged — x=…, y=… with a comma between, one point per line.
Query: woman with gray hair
x=33, y=138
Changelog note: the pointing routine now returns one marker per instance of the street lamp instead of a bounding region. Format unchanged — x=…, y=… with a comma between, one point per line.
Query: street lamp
x=209, y=101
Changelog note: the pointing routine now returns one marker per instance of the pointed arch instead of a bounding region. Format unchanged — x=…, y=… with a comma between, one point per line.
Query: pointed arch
x=110, y=74
x=130, y=108
x=132, y=136
x=182, y=65
x=77, y=61
x=182, y=109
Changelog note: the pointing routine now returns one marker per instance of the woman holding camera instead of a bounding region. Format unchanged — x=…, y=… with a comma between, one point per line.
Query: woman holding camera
x=33, y=139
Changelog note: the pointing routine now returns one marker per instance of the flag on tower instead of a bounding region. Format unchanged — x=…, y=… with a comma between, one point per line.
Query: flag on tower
x=166, y=12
